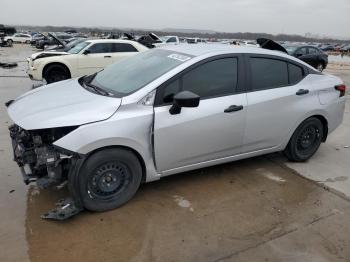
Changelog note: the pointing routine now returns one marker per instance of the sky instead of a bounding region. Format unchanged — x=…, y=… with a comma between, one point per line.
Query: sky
x=321, y=17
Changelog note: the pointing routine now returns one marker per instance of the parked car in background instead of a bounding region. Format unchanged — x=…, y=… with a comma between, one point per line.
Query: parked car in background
x=85, y=58
x=327, y=48
x=37, y=37
x=169, y=110
x=169, y=40
x=248, y=43
x=345, y=48
x=54, y=39
x=195, y=40
x=310, y=55
x=18, y=38
x=65, y=47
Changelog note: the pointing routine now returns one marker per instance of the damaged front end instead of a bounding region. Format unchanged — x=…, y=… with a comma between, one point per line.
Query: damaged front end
x=47, y=165
x=38, y=159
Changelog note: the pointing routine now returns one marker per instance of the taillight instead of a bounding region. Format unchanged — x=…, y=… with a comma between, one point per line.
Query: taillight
x=341, y=89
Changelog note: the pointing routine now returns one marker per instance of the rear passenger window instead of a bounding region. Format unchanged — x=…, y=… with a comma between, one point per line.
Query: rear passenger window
x=268, y=73
x=215, y=78
x=296, y=74
x=121, y=47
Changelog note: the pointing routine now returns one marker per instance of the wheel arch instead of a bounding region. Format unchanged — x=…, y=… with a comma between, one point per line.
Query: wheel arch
x=134, y=151
x=317, y=115
x=324, y=124
x=56, y=63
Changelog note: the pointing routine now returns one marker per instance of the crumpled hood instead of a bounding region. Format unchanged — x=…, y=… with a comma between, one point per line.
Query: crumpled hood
x=64, y=103
x=47, y=54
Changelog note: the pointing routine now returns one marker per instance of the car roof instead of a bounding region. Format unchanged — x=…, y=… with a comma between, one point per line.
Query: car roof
x=296, y=45
x=197, y=50
x=206, y=49
x=110, y=41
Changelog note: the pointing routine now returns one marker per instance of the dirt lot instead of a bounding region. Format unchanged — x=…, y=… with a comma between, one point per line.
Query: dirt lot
x=252, y=210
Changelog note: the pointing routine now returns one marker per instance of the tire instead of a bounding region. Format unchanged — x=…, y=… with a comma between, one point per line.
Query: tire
x=54, y=73
x=109, y=179
x=10, y=42
x=305, y=141
x=27, y=42
x=320, y=67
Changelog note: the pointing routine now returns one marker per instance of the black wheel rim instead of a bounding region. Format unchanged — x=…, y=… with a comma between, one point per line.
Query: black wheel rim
x=109, y=180
x=308, y=140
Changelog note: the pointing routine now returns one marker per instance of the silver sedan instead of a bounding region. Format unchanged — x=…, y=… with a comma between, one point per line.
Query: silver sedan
x=170, y=110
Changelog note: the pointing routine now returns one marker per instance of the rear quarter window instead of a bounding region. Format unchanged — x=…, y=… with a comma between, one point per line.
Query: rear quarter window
x=296, y=73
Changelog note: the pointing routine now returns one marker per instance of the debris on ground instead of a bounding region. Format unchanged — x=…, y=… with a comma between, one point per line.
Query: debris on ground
x=8, y=65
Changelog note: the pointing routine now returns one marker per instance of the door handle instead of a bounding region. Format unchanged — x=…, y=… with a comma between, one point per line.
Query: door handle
x=107, y=56
x=233, y=108
x=302, y=92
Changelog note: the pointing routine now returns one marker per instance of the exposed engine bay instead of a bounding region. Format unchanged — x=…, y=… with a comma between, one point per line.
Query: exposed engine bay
x=38, y=159
x=42, y=162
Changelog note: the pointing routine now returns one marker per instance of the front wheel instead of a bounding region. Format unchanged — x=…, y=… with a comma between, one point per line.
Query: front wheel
x=305, y=141
x=109, y=178
x=10, y=42
x=54, y=73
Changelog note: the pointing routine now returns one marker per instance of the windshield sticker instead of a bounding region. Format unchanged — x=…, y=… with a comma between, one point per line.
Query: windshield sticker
x=179, y=57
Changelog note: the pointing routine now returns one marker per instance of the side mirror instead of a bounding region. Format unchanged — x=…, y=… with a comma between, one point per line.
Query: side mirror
x=184, y=99
x=86, y=52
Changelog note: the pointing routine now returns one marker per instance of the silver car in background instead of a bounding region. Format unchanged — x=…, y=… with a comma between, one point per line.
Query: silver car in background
x=170, y=110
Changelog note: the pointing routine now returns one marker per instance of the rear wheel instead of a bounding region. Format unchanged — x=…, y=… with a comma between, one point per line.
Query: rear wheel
x=55, y=73
x=109, y=178
x=305, y=141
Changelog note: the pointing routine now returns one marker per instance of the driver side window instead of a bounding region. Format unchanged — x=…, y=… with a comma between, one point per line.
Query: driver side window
x=212, y=79
x=100, y=48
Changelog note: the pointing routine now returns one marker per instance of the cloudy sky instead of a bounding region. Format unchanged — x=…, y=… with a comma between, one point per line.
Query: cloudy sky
x=323, y=17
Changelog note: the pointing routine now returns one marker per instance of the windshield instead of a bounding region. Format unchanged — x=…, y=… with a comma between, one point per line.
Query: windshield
x=290, y=49
x=76, y=49
x=129, y=75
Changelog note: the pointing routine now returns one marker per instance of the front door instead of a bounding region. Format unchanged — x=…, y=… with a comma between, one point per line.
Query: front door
x=211, y=131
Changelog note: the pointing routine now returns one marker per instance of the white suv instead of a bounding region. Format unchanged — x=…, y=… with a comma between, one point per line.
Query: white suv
x=18, y=37
x=85, y=58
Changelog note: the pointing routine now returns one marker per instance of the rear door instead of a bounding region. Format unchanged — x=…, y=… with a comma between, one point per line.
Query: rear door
x=206, y=132
x=121, y=51
x=99, y=56
x=279, y=96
